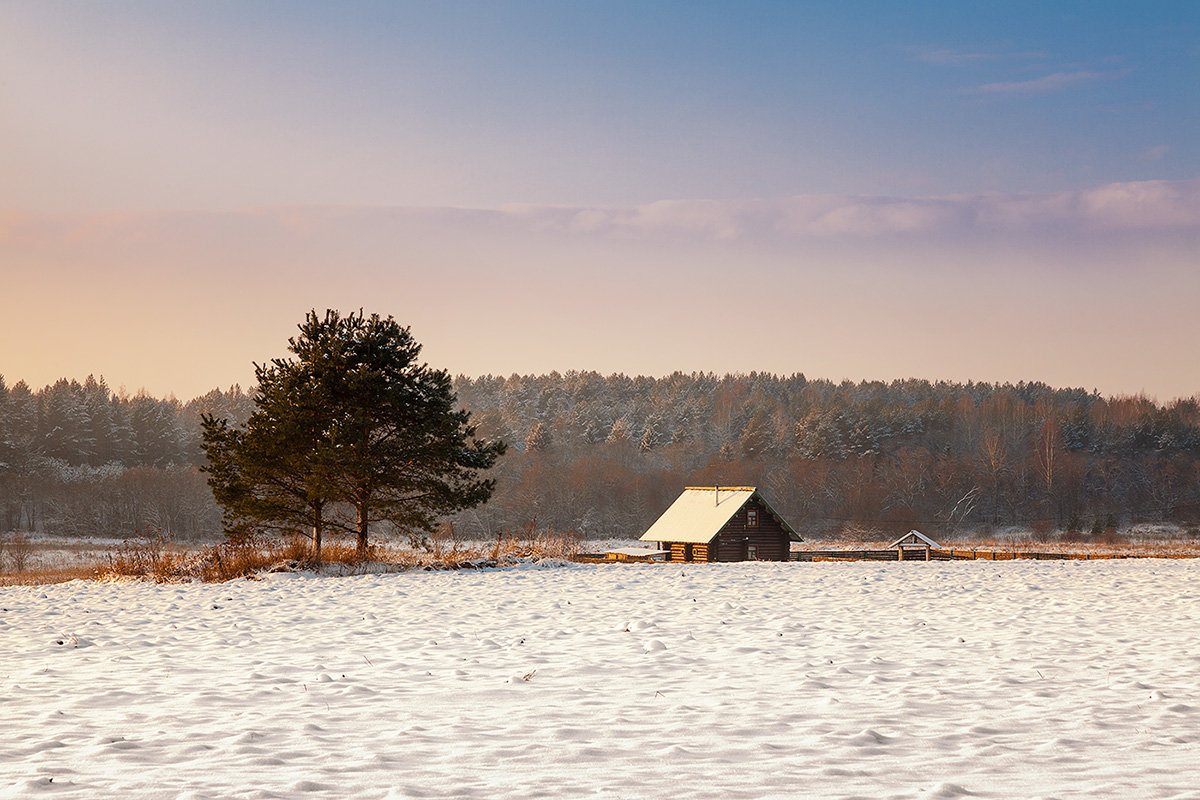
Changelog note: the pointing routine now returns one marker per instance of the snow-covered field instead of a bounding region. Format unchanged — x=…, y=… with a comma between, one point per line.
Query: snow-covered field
x=873, y=680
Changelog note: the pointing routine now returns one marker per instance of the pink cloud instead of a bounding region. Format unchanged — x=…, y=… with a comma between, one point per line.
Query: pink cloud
x=1148, y=205
x=1143, y=205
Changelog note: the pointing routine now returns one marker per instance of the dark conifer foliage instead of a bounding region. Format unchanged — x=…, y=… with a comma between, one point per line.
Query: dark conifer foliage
x=273, y=472
x=354, y=422
x=887, y=454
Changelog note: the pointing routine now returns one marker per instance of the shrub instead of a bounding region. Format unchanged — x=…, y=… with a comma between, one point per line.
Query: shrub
x=235, y=557
x=16, y=549
x=20, y=549
x=144, y=555
x=1111, y=537
x=1043, y=531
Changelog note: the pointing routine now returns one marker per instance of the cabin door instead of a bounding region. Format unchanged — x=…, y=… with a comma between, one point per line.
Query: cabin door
x=688, y=553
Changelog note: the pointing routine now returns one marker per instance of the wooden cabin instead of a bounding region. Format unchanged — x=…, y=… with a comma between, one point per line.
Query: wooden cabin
x=914, y=546
x=722, y=523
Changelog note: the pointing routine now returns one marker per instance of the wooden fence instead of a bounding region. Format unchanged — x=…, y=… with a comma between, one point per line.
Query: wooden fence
x=917, y=555
x=958, y=555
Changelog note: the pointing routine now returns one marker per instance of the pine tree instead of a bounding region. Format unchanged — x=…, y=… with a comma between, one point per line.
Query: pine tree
x=355, y=419
x=63, y=423
x=538, y=439
x=649, y=439
x=99, y=423
x=756, y=436
x=276, y=473
x=621, y=431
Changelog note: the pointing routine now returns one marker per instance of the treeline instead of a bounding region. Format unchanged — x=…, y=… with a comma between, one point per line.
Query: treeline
x=77, y=459
x=604, y=455
x=607, y=454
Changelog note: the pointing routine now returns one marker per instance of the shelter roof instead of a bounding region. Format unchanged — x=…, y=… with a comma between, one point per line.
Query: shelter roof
x=642, y=552
x=699, y=513
x=915, y=538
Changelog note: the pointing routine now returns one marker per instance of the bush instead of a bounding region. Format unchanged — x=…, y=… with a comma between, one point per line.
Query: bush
x=1111, y=537
x=237, y=557
x=145, y=555
x=18, y=549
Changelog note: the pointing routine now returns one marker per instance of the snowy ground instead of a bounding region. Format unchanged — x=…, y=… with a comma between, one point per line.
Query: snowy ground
x=873, y=680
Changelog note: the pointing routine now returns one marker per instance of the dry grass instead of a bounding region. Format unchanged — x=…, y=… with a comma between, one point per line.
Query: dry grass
x=150, y=556
x=143, y=555
x=46, y=575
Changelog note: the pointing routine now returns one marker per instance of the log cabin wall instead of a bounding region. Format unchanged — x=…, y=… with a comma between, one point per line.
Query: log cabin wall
x=683, y=552
x=768, y=536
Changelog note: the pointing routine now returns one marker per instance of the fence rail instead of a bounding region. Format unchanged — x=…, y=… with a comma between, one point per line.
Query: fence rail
x=962, y=555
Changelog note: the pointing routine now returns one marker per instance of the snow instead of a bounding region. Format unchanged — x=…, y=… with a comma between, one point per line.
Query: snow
x=838, y=680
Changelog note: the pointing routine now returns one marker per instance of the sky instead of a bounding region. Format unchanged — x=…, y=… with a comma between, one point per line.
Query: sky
x=958, y=191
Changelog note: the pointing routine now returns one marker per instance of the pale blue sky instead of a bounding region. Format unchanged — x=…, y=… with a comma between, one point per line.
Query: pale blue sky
x=216, y=105
x=989, y=191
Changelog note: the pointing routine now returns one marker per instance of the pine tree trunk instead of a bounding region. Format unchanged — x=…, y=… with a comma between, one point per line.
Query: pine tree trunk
x=316, y=536
x=362, y=531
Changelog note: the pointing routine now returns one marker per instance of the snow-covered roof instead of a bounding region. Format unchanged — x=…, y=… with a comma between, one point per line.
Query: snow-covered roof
x=700, y=512
x=915, y=538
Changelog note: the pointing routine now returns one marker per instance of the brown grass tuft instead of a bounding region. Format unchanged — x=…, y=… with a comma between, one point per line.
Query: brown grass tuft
x=45, y=575
x=144, y=555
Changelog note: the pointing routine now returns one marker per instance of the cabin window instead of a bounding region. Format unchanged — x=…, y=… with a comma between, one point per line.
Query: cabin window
x=752, y=519
x=751, y=551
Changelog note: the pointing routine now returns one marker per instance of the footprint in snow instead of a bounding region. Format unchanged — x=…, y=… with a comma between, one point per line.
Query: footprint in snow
x=72, y=641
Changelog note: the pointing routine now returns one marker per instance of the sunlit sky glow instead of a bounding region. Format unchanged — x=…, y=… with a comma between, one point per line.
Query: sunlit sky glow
x=863, y=190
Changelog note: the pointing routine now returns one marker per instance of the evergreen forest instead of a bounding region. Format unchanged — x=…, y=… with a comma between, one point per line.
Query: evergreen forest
x=604, y=455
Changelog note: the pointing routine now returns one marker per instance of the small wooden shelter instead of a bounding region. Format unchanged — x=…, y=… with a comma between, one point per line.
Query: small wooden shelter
x=722, y=523
x=914, y=546
x=635, y=554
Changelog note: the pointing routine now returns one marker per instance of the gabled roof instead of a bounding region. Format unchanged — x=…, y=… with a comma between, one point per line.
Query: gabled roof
x=915, y=538
x=700, y=512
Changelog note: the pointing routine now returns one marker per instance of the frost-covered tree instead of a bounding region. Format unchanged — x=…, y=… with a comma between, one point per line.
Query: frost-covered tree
x=539, y=438
x=63, y=423
x=649, y=439
x=621, y=431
